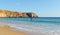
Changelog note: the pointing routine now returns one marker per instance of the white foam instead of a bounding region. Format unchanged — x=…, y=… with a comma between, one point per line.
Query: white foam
x=38, y=30
x=33, y=30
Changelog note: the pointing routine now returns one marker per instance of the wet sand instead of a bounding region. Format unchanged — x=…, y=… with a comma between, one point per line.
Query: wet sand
x=6, y=30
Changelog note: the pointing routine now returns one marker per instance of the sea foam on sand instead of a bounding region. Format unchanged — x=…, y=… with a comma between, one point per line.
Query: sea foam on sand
x=6, y=30
x=30, y=29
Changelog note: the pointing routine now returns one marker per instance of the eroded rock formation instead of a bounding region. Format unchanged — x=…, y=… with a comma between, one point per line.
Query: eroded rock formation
x=7, y=13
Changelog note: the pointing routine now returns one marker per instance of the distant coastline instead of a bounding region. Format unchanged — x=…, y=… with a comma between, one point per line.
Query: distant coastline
x=13, y=14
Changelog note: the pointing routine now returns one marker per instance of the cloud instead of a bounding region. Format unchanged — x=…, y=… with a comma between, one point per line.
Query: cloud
x=17, y=3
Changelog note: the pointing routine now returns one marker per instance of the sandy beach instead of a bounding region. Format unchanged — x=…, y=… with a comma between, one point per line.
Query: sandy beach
x=6, y=30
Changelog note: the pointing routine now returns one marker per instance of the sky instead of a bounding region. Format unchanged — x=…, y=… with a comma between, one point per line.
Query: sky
x=43, y=8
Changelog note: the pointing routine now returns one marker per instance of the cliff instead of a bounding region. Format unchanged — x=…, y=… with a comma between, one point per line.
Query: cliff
x=7, y=13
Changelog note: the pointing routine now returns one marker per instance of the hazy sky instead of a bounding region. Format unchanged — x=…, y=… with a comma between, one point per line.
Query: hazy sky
x=43, y=8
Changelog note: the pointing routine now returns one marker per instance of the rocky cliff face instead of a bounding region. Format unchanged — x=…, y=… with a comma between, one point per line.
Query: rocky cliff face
x=7, y=13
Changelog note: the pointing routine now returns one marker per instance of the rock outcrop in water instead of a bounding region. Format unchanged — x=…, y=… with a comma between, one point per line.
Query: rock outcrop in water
x=7, y=13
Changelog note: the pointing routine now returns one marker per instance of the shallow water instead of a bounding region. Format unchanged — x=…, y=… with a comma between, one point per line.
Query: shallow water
x=36, y=26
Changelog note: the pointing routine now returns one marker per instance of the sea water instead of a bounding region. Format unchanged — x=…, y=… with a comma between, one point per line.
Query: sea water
x=35, y=26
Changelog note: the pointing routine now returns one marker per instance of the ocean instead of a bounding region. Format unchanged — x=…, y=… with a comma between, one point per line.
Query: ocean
x=34, y=26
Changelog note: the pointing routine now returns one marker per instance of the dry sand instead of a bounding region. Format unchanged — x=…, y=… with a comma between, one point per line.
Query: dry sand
x=6, y=30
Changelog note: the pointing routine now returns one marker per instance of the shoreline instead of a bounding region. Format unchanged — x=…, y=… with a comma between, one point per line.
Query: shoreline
x=21, y=29
x=27, y=29
x=6, y=30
